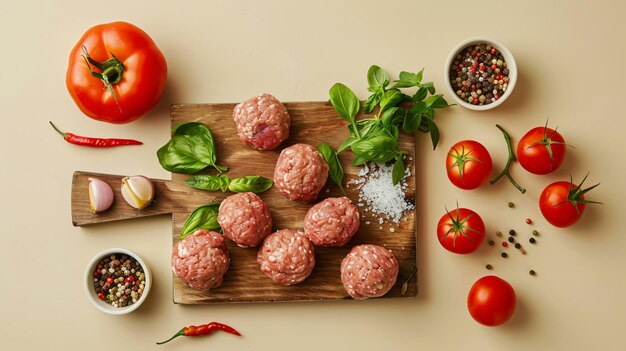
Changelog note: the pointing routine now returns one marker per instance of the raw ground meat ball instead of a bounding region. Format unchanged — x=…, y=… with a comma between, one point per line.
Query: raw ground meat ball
x=262, y=122
x=201, y=259
x=245, y=219
x=287, y=257
x=369, y=271
x=332, y=222
x=300, y=172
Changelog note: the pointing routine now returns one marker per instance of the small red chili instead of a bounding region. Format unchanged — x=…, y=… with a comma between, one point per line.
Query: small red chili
x=94, y=142
x=529, y=221
x=201, y=330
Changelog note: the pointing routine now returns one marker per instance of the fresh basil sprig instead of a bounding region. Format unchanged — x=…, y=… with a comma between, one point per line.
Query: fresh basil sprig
x=335, y=170
x=376, y=139
x=255, y=184
x=398, y=171
x=190, y=150
x=204, y=217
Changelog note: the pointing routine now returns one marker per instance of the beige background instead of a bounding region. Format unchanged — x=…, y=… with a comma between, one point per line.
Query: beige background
x=570, y=57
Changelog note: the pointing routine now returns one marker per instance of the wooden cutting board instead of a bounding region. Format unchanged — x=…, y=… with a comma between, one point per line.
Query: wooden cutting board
x=312, y=123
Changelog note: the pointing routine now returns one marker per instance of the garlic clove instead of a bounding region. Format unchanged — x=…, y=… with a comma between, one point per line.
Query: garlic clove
x=138, y=191
x=100, y=195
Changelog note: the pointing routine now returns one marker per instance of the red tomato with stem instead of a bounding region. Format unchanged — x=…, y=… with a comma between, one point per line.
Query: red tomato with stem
x=563, y=203
x=468, y=164
x=491, y=301
x=116, y=73
x=541, y=150
x=461, y=231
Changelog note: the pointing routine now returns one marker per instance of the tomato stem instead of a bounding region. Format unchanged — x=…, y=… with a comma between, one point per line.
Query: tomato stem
x=111, y=72
x=505, y=171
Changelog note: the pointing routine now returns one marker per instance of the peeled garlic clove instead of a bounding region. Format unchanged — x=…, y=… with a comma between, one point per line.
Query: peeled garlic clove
x=100, y=195
x=138, y=191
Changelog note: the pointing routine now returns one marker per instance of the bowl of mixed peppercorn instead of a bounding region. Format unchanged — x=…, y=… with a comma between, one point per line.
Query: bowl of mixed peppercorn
x=480, y=73
x=117, y=281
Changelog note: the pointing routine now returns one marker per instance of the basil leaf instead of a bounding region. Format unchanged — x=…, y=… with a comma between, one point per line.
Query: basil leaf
x=413, y=117
x=388, y=115
x=344, y=101
x=366, y=126
x=376, y=78
x=434, y=133
x=358, y=161
x=335, y=170
x=255, y=184
x=209, y=182
x=372, y=101
x=397, y=172
x=432, y=100
x=430, y=87
x=347, y=143
x=190, y=149
x=394, y=131
x=420, y=94
x=379, y=149
x=390, y=99
x=204, y=217
x=440, y=103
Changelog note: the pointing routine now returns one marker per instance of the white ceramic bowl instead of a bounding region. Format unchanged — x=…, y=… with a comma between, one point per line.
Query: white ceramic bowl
x=508, y=58
x=91, y=292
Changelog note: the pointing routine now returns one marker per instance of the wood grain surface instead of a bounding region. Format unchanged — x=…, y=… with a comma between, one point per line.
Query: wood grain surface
x=312, y=123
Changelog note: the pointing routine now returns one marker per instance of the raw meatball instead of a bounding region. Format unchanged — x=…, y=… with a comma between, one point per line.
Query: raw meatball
x=300, y=172
x=245, y=219
x=262, y=122
x=201, y=259
x=287, y=257
x=332, y=222
x=369, y=271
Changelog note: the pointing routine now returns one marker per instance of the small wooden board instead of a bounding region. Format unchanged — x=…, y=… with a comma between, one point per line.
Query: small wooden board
x=312, y=123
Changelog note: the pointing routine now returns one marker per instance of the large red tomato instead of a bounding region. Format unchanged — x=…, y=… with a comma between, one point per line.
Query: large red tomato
x=116, y=73
x=468, y=164
x=563, y=203
x=541, y=150
x=461, y=231
x=491, y=301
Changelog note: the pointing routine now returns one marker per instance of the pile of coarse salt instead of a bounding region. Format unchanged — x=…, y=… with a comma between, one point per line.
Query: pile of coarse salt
x=379, y=196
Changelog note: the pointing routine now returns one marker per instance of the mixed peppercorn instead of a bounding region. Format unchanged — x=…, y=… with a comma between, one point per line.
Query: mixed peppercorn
x=119, y=280
x=479, y=74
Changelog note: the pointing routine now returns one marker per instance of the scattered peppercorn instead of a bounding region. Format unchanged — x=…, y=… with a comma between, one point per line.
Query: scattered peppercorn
x=535, y=233
x=505, y=244
x=529, y=221
x=511, y=239
x=511, y=205
x=532, y=272
x=518, y=245
x=512, y=232
x=532, y=240
x=491, y=242
x=522, y=251
x=489, y=267
x=504, y=255
x=499, y=233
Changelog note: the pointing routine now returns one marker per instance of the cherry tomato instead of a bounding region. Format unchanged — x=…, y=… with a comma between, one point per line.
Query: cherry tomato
x=541, y=150
x=491, y=301
x=468, y=164
x=563, y=203
x=461, y=231
x=116, y=73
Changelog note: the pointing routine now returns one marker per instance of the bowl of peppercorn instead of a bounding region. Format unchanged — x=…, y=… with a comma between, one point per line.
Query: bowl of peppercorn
x=117, y=281
x=480, y=73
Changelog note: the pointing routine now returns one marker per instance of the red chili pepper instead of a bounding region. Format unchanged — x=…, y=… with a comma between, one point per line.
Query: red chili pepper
x=201, y=330
x=95, y=142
